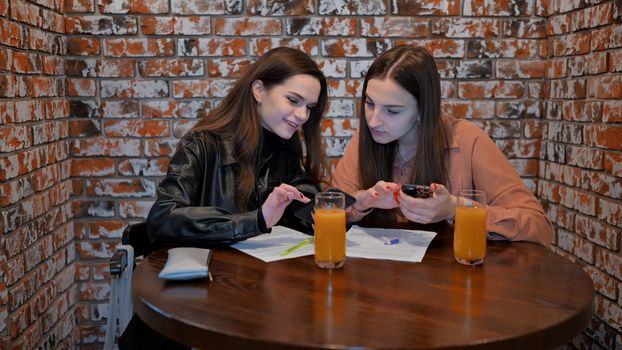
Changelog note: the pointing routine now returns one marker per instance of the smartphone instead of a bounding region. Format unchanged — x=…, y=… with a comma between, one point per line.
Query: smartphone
x=306, y=212
x=417, y=191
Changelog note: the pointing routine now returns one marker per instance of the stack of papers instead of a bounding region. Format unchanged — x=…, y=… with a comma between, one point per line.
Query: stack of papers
x=361, y=242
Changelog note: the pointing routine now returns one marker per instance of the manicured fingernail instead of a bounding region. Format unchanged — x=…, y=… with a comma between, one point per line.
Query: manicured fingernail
x=301, y=195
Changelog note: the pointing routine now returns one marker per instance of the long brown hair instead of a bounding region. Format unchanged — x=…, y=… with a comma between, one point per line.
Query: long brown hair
x=414, y=70
x=237, y=114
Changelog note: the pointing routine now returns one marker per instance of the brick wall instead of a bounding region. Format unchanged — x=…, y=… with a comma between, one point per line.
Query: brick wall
x=95, y=114
x=581, y=156
x=37, y=289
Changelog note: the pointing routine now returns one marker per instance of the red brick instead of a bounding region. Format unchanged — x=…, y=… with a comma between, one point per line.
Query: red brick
x=149, y=6
x=571, y=88
x=571, y=44
x=532, y=129
x=119, y=109
x=106, y=147
x=193, y=25
x=95, y=291
x=14, y=138
x=211, y=47
x=290, y=8
x=489, y=89
x=468, y=109
x=556, y=68
x=247, y=26
x=425, y=8
x=403, y=27
x=134, y=88
x=603, y=136
x=160, y=147
x=11, y=34
x=262, y=45
x=92, y=167
x=84, y=128
x=101, y=25
x=610, y=211
x=520, y=69
x=181, y=127
x=143, y=167
x=517, y=8
x=605, y=87
x=100, y=68
x=370, y=7
x=507, y=48
x=214, y=7
x=333, y=68
x=139, y=47
x=339, y=26
x=171, y=68
x=615, y=60
x=80, y=6
x=4, y=8
x=561, y=216
x=227, y=68
x=120, y=188
x=354, y=47
x=344, y=88
x=191, y=88
x=606, y=38
x=559, y=24
x=134, y=209
x=597, y=63
x=613, y=163
x=5, y=59
x=81, y=87
x=524, y=28
x=136, y=128
x=465, y=28
x=519, y=109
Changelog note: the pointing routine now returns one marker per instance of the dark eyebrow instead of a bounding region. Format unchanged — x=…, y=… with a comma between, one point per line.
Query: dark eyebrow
x=386, y=106
x=302, y=98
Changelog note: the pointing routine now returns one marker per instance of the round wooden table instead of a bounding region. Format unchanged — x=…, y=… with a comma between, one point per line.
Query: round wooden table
x=523, y=297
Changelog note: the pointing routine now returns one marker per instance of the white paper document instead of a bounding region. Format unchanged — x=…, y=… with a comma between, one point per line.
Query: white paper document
x=277, y=245
x=374, y=243
x=361, y=242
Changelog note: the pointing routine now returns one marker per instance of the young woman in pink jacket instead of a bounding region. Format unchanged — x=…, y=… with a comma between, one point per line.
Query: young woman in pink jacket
x=403, y=139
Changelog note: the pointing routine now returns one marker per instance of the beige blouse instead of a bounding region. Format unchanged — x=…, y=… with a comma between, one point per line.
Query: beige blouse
x=475, y=162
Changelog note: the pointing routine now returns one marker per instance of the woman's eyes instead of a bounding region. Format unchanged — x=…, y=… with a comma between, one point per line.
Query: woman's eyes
x=389, y=111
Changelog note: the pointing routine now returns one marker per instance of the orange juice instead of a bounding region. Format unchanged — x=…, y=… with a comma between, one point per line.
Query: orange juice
x=330, y=237
x=470, y=235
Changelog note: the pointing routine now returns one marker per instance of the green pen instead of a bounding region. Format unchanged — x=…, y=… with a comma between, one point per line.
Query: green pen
x=297, y=246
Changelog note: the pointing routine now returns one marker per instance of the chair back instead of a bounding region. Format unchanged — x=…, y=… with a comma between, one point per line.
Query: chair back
x=136, y=236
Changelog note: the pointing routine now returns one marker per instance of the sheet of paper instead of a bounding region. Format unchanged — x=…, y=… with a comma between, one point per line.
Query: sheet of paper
x=361, y=242
x=365, y=242
x=269, y=247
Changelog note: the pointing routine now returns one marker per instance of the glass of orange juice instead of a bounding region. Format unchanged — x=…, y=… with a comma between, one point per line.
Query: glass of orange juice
x=330, y=230
x=470, y=227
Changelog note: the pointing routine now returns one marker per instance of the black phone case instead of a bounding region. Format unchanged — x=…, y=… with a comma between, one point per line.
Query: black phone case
x=305, y=213
x=417, y=191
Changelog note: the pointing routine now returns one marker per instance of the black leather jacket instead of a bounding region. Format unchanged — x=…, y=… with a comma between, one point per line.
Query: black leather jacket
x=195, y=203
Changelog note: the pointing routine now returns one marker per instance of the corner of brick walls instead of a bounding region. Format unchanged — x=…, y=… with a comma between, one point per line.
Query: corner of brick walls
x=581, y=158
x=37, y=252
x=541, y=77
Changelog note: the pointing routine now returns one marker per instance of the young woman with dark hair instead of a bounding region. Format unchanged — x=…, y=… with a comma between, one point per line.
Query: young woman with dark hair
x=405, y=140
x=236, y=171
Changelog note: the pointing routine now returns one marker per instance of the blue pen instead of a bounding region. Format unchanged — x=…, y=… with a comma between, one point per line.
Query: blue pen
x=392, y=242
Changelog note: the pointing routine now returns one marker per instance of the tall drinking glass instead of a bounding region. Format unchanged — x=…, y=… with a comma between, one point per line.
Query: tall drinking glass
x=330, y=230
x=470, y=227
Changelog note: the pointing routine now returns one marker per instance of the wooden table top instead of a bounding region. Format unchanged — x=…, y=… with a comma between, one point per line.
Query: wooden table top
x=523, y=296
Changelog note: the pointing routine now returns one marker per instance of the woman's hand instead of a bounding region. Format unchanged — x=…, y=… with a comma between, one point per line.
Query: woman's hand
x=441, y=206
x=379, y=196
x=274, y=206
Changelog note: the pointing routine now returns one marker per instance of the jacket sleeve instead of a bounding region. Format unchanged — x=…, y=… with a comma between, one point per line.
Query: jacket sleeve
x=513, y=211
x=300, y=179
x=177, y=219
